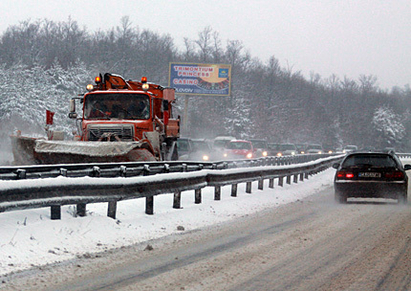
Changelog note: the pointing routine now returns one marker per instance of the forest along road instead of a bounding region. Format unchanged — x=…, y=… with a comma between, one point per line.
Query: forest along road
x=312, y=244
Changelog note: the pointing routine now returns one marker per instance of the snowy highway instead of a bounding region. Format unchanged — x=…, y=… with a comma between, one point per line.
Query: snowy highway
x=312, y=244
x=299, y=240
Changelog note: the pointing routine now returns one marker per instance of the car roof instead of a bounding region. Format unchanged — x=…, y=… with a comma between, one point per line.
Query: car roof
x=370, y=153
x=225, y=137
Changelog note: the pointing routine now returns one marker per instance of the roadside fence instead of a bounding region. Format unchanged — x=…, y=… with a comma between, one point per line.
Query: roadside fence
x=24, y=187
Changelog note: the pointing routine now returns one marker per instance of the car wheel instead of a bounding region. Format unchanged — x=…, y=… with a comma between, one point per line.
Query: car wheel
x=403, y=198
x=340, y=198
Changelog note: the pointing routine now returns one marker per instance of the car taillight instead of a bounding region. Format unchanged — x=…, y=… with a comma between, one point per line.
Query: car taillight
x=395, y=175
x=344, y=175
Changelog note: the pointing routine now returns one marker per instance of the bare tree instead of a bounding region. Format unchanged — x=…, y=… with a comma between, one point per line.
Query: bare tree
x=204, y=43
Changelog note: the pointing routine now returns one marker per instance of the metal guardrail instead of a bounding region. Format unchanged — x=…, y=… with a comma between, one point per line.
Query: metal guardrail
x=132, y=169
x=404, y=155
x=27, y=193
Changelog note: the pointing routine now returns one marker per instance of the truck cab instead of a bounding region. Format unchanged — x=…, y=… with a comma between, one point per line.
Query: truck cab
x=116, y=110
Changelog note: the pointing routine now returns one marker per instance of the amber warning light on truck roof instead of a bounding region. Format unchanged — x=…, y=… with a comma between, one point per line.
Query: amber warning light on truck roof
x=97, y=79
x=144, y=85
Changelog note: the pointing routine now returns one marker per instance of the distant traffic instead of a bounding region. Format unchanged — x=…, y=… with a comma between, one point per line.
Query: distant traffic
x=231, y=148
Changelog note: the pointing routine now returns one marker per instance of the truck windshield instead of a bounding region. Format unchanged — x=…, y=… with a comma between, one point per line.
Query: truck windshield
x=116, y=106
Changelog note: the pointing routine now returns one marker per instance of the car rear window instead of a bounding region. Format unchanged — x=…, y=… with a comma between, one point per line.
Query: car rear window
x=370, y=160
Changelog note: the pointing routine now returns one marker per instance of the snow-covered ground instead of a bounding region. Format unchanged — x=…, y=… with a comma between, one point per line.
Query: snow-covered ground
x=30, y=238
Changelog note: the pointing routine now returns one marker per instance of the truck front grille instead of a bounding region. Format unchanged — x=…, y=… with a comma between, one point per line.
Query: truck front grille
x=110, y=132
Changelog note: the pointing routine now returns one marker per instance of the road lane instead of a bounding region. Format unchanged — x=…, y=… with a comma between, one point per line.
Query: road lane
x=312, y=244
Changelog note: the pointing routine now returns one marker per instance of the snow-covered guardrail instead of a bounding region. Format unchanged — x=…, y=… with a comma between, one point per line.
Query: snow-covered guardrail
x=132, y=169
x=55, y=192
x=404, y=155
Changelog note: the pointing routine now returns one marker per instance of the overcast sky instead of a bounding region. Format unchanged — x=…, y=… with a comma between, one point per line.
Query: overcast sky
x=342, y=37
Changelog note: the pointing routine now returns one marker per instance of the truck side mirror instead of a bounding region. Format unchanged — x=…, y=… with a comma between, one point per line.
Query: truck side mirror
x=72, y=113
x=72, y=105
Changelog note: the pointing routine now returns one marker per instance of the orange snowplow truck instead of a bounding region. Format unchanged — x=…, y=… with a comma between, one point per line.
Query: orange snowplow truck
x=121, y=121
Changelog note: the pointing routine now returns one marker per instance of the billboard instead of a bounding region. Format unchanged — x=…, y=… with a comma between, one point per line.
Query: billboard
x=200, y=79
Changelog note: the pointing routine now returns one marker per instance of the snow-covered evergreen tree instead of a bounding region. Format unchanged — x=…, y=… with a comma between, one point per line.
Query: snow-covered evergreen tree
x=388, y=124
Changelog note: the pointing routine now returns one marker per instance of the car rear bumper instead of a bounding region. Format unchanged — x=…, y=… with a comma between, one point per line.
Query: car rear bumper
x=372, y=189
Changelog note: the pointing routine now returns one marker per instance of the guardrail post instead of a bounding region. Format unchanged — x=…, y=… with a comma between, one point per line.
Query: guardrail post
x=248, y=187
x=261, y=184
x=295, y=179
x=271, y=183
x=217, y=193
x=301, y=176
x=234, y=190
x=197, y=196
x=96, y=172
x=177, y=200
x=63, y=172
x=123, y=172
x=166, y=168
x=81, y=209
x=150, y=205
x=146, y=170
x=288, y=181
x=279, y=161
x=55, y=212
x=306, y=175
x=280, y=181
x=112, y=209
x=21, y=174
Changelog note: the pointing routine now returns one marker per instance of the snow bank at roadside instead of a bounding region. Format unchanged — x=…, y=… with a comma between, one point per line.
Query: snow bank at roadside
x=29, y=238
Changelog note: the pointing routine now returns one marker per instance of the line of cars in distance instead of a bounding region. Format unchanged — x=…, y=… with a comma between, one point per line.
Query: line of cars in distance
x=228, y=148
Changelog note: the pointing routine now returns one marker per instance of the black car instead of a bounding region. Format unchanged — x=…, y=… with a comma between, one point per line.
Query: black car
x=371, y=175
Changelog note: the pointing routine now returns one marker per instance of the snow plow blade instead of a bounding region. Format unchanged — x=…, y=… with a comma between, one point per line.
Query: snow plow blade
x=29, y=151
